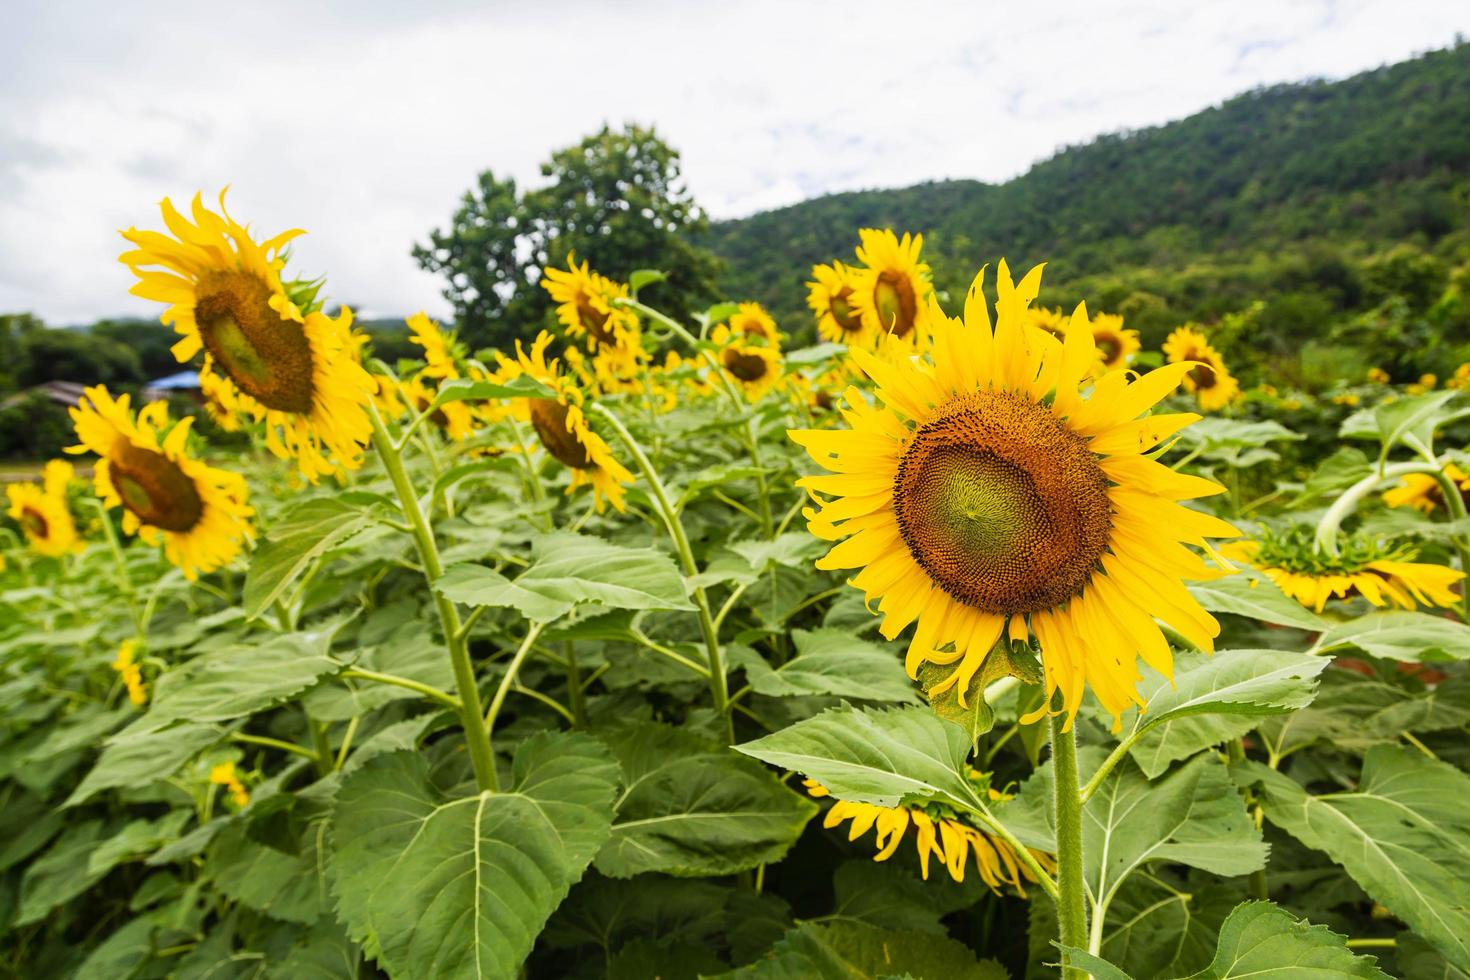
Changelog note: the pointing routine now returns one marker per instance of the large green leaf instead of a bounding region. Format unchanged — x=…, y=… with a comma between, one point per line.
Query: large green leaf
x=1410, y=636
x=575, y=568
x=301, y=534
x=436, y=885
x=847, y=950
x=241, y=680
x=466, y=389
x=284, y=886
x=1403, y=834
x=1218, y=698
x=1154, y=929
x=62, y=873
x=831, y=662
x=1263, y=941
x=692, y=807
x=476, y=585
x=1413, y=419
x=143, y=754
x=880, y=756
x=1250, y=594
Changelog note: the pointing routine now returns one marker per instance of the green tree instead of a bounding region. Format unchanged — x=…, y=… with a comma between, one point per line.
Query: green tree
x=150, y=340
x=15, y=330
x=615, y=199
x=76, y=355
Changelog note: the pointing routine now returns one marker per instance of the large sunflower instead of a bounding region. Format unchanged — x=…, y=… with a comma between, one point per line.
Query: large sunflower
x=295, y=370
x=941, y=835
x=562, y=427
x=1381, y=573
x=42, y=511
x=891, y=293
x=197, y=512
x=1424, y=493
x=984, y=497
x=1209, y=380
x=585, y=307
x=1115, y=344
x=829, y=294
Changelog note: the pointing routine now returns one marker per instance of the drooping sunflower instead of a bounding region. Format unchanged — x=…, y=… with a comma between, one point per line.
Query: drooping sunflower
x=750, y=360
x=287, y=365
x=585, y=306
x=563, y=429
x=1115, y=344
x=1423, y=492
x=43, y=513
x=1209, y=380
x=984, y=497
x=891, y=291
x=1382, y=573
x=829, y=294
x=196, y=511
x=942, y=835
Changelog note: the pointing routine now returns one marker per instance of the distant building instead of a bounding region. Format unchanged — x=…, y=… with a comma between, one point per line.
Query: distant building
x=64, y=393
x=183, y=383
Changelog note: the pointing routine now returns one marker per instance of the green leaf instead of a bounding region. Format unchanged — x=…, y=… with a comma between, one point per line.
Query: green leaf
x=879, y=756
x=240, y=680
x=1412, y=420
x=1250, y=594
x=1414, y=637
x=1334, y=474
x=476, y=585
x=285, y=886
x=120, y=954
x=144, y=754
x=302, y=534
x=1403, y=834
x=26, y=824
x=885, y=895
x=1156, y=930
x=436, y=885
x=467, y=390
x=691, y=807
x=1417, y=960
x=575, y=568
x=1263, y=941
x=60, y=874
x=816, y=354
x=830, y=662
x=848, y=950
x=976, y=715
x=644, y=277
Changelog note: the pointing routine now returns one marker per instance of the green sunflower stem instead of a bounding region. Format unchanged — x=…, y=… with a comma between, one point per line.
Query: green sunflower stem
x=1345, y=504
x=719, y=684
x=1455, y=504
x=477, y=737
x=124, y=579
x=1071, y=896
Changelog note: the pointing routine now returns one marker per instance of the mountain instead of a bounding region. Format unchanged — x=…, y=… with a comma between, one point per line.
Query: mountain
x=1275, y=189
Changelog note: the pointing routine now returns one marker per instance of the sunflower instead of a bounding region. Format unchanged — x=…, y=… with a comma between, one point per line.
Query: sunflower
x=1053, y=322
x=292, y=368
x=585, y=306
x=1115, y=344
x=752, y=320
x=1363, y=566
x=752, y=361
x=829, y=294
x=42, y=511
x=1378, y=376
x=198, y=512
x=456, y=419
x=891, y=293
x=225, y=775
x=562, y=427
x=1423, y=492
x=130, y=673
x=943, y=836
x=440, y=349
x=1209, y=380
x=1461, y=378
x=984, y=497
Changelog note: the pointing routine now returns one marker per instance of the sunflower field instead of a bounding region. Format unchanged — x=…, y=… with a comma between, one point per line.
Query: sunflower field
x=974, y=641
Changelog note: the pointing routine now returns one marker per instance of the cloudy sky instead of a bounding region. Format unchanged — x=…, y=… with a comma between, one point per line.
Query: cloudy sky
x=363, y=122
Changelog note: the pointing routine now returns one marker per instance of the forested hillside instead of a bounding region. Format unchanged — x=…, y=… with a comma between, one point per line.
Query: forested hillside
x=1289, y=193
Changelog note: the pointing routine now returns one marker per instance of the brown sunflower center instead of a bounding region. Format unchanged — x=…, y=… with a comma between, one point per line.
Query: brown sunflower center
x=266, y=355
x=154, y=488
x=746, y=367
x=752, y=327
x=34, y=523
x=1109, y=346
x=846, y=317
x=1001, y=504
x=1204, y=377
x=898, y=306
x=594, y=321
x=549, y=419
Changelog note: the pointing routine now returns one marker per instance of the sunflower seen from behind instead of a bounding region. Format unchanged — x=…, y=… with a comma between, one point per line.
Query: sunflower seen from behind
x=891, y=290
x=286, y=363
x=829, y=294
x=1211, y=383
x=196, y=512
x=995, y=491
x=43, y=513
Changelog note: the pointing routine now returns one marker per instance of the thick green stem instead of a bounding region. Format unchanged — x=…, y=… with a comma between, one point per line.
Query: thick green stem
x=1071, y=889
x=576, y=698
x=718, y=682
x=1455, y=504
x=322, y=746
x=124, y=579
x=476, y=736
x=1333, y=517
x=1235, y=751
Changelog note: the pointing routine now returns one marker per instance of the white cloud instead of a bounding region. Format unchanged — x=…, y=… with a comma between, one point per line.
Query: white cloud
x=364, y=122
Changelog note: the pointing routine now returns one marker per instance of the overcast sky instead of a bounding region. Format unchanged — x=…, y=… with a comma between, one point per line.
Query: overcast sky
x=363, y=122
